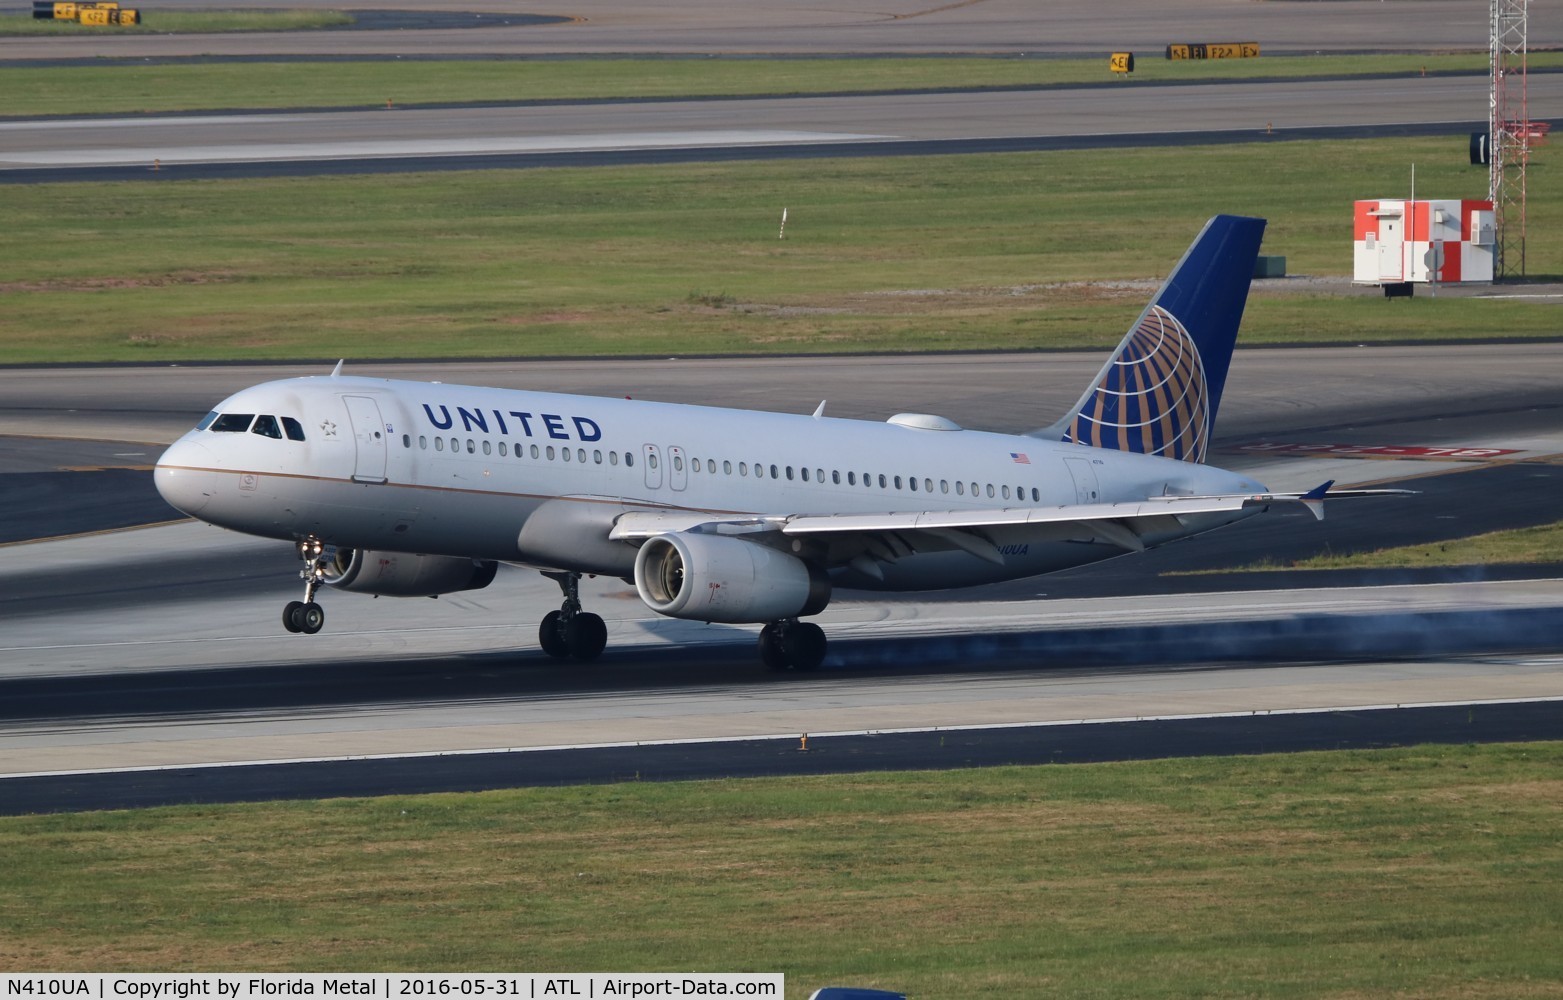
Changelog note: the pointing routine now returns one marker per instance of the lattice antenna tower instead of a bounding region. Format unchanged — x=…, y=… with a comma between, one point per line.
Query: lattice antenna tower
x=1509, y=129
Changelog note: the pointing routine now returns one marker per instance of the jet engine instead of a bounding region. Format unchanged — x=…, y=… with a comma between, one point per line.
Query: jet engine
x=716, y=578
x=403, y=574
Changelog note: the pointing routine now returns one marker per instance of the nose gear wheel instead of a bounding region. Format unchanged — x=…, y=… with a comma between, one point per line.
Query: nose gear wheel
x=306, y=616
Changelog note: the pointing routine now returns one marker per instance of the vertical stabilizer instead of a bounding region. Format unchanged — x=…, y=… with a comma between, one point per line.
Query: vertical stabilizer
x=1159, y=392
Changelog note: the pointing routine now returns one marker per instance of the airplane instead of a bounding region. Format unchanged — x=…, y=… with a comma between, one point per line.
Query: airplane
x=409, y=488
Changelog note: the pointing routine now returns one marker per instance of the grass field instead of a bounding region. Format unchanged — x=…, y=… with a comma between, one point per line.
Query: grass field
x=113, y=89
x=953, y=252
x=1427, y=872
x=1541, y=545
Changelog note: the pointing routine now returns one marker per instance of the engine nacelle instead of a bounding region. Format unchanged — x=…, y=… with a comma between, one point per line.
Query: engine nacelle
x=404, y=574
x=717, y=578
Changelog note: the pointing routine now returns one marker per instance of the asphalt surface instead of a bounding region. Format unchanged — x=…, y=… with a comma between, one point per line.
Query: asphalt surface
x=1068, y=744
x=602, y=133
x=851, y=27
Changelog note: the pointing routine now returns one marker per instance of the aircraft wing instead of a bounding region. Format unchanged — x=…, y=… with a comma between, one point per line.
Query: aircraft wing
x=1124, y=524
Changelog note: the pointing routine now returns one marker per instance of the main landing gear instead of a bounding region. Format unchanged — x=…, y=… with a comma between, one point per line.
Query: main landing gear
x=792, y=645
x=570, y=633
x=306, y=616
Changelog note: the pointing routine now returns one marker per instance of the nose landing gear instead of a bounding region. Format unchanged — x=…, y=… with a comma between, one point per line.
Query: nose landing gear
x=306, y=616
x=571, y=633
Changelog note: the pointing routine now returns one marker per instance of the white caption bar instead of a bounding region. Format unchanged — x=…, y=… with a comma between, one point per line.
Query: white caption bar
x=394, y=986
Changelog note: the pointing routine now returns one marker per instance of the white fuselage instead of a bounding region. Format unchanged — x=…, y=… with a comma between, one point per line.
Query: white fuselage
x=458, y=470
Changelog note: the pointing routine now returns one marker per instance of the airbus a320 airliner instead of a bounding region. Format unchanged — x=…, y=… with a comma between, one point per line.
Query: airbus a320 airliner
x=409, y=488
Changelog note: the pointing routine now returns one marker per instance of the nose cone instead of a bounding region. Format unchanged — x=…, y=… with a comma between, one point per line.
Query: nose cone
x=183, y=476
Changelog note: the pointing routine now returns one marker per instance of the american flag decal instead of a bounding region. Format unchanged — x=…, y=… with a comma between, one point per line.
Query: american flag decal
x=1153, y=399
x=1019, y=458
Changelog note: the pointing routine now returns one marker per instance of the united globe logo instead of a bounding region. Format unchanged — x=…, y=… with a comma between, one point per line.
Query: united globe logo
x=1153, y=399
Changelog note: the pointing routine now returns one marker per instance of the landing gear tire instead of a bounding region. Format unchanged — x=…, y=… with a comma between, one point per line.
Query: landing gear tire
x=571, y=633
x=550, y=635
x=586, y=635
x=301, y=617
x=792, y=645
x=772, y=653
x=805, y=645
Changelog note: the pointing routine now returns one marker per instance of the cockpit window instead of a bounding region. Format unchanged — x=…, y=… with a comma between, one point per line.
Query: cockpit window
x=294, y=428
x=206, y=421
x=233, y=423
x=266, y=426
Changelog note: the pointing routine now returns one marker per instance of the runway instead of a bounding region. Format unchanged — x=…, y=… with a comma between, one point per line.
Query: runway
x=213, y=145
x=855, y=27
x=156, y=648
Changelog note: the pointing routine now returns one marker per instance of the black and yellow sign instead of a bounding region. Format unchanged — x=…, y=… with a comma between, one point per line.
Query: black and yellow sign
x=1121, y=62
x=1213, y=50
x=99, y=14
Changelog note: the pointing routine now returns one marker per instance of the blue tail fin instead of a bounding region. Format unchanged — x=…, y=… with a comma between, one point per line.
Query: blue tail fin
x=1159, y=392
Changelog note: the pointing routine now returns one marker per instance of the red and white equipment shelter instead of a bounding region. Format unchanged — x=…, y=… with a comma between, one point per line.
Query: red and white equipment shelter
x=1397, y=241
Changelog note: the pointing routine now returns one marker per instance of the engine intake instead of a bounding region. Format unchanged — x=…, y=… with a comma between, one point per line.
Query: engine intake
x=405, y=574
x=715, y=578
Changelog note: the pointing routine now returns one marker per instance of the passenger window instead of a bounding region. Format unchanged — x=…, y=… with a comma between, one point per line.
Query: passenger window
x=564, y=453
x=789, y=473
x=613, y=458
x=990, y=491
x=472, y=448
x=944, y=486
x=455, y=446
x=504, y=449
x=960, y=488
x=580, y=454
x=206, y=421
x=629, y=458
x=233, y=423
x=488, y=449
x=294, y=428
x=835, y=476
x=805, y=475
x=678, y=463
x=651, y=460
x=727, y=467
x=773, y=473
x=897, y=482
x=550, y=453
x=439, y=444
x=423, y=442
x=711, y=466
x=881, y=480
x=406, y=440
x=743, y=468
x=1006, y=492
x=851, y=478
x=535, y=452
x=597, y=457
x=266, y=426
x=1035, y=496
